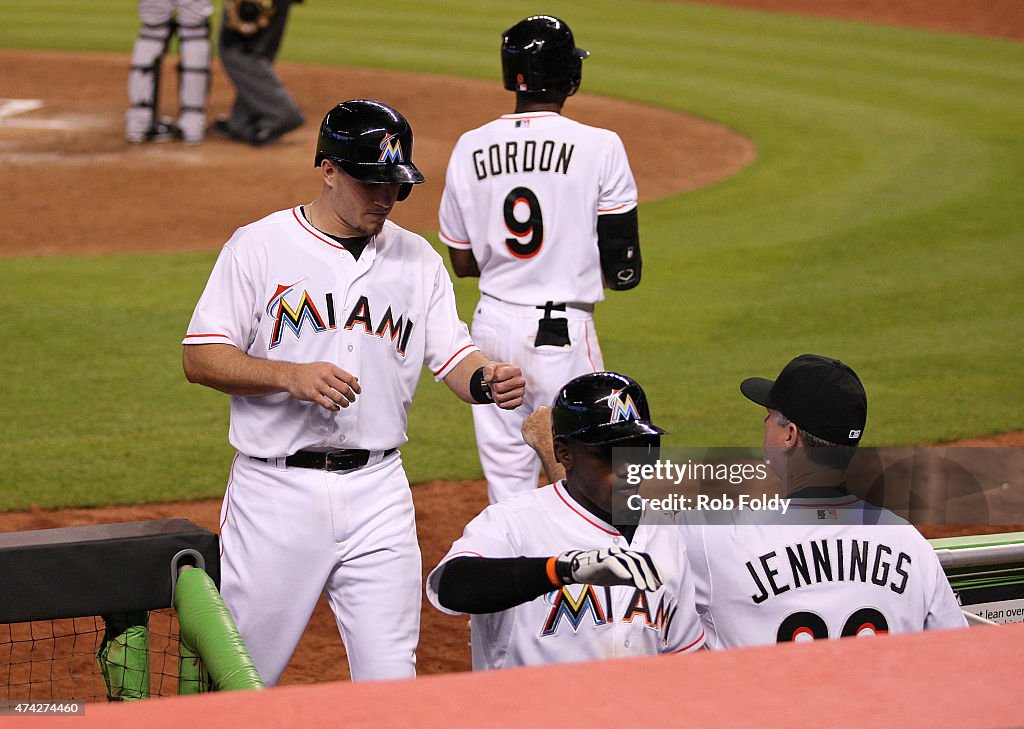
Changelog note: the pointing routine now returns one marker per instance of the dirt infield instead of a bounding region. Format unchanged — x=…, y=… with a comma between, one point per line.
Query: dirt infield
x=121, y=198
x=126, y=198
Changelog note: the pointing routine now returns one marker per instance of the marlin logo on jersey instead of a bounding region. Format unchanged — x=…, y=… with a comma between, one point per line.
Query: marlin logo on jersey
x=285, y=316
x=397, y=329
x=574, y=609
x=391, y=149
x=623, y=408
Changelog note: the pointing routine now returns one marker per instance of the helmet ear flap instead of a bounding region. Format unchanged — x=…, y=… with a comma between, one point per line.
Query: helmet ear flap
x=404, y=190
x=575, y=74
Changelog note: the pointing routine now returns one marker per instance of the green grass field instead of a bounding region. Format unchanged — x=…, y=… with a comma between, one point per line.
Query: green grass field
x=881, y=223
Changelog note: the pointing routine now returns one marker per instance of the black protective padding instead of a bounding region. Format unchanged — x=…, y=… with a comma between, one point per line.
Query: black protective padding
x=477, y=585
x=48, y=574
x=618, y=240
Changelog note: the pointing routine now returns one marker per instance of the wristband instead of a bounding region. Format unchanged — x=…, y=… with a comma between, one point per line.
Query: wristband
x=553, y=572
x=478, y=389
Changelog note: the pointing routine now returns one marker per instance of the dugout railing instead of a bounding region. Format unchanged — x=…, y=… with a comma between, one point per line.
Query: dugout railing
x=115, y=612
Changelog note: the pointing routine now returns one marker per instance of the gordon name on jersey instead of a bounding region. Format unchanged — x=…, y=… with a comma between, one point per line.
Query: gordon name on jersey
x=530, y=155
x=813, y=562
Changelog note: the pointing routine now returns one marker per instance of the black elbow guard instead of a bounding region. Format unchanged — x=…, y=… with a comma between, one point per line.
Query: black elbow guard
x=618, y=239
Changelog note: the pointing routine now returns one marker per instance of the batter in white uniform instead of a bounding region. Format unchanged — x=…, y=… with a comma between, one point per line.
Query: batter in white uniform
x=543, y=210
x=546, y=575
x=831, y=566
x=317, y=320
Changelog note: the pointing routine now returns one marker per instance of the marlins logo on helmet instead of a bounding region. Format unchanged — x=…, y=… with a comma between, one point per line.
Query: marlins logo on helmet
x=391, y=149
x=623, y=408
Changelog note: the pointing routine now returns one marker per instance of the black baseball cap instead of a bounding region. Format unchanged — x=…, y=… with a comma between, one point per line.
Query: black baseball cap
x=820, y=394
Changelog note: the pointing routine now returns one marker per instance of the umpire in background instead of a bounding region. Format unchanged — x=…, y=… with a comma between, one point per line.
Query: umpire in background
x=250, y=37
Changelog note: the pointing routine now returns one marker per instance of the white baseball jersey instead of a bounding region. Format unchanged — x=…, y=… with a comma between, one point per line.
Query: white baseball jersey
x=281, y=290
x=577, y=622
x=524, y=192
x=829, y=568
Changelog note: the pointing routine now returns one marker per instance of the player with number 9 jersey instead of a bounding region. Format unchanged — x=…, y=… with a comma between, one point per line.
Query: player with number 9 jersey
x=543, y=209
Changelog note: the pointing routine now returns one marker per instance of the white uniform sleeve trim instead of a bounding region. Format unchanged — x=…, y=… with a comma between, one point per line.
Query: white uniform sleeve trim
x=208, y=339
x=462, y=245
x=692, y=646
x=454, y=360
x=617, y=209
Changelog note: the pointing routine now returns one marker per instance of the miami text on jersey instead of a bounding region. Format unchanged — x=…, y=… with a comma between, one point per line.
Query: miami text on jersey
x=522, y=157
x=828, y=560
x=588, y=607
x=360, y=317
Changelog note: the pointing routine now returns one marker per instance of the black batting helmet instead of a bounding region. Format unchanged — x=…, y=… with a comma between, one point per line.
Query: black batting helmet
x=370, y=141
x=602, y=408
x=539, y=54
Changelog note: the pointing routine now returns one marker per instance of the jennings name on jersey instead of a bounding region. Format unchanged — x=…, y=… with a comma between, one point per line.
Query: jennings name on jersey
x=829, y=568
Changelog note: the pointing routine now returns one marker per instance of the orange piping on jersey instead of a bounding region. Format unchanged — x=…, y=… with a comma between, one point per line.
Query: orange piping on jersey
x=608, y=210
x=552, y=574
x=586, y=337
x=313, y=231
x=227, y=503
x=196, y=336
x=580, y=514
x=688, y=647
x=463, y=554
x=468, y=346
x=456, y=241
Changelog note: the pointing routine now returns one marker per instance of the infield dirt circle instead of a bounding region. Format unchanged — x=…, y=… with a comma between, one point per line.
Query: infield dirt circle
x=120, y=198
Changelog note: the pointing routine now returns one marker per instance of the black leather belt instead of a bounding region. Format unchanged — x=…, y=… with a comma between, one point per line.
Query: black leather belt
x=339, y=460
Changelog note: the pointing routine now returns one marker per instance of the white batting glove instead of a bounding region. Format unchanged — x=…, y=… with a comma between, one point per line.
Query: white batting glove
x=611, y=566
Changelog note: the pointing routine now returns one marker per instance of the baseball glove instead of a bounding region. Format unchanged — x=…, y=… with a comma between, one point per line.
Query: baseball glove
x=248, y=17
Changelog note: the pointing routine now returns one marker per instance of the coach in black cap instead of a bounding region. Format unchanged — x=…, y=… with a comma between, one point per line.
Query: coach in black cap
x=817, y=408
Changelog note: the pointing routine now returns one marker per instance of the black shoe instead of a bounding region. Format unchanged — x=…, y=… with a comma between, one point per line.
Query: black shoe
x=221, y=127
x=164, y=130
x=269, y=135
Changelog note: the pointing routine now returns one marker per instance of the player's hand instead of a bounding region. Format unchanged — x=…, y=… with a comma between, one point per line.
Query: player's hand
x=323, y=383
x=611, y=566
x=536, y=430
x=508, y=386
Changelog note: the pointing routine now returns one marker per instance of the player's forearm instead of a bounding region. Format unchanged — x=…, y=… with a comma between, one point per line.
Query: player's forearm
x=478, y=380
x=458, y=380
x=224, y=367
x=464, y=263
x=477, y=585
